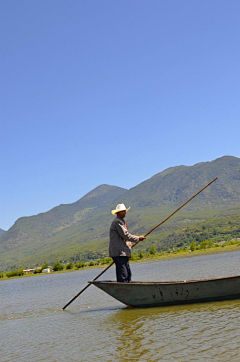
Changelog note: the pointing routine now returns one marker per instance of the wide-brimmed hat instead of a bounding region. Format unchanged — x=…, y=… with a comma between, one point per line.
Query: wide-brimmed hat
x=119, y=207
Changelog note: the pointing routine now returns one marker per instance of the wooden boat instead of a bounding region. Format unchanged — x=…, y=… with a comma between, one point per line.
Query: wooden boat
x=155, y=294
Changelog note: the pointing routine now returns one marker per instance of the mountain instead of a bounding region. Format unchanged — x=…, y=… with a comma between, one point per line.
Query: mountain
x=46, y=225
x=31, y=235
x=2, y=232
x=177, y=184
x=80, y=230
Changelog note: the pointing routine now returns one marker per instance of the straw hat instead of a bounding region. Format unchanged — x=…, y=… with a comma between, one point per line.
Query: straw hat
x=119, y=207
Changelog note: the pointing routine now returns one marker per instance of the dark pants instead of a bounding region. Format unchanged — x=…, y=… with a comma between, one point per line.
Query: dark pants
x=123, y=270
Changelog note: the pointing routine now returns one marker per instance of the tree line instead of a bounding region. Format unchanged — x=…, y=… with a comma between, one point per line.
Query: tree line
x=148, y=254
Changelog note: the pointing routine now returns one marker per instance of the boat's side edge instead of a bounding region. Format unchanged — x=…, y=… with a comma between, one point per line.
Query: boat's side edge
x=190, y=301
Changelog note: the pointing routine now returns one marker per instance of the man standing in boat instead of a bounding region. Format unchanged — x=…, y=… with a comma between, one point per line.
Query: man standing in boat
x=121, y=243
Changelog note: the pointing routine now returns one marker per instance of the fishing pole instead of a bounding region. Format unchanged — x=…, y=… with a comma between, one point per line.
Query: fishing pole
x=149, y=232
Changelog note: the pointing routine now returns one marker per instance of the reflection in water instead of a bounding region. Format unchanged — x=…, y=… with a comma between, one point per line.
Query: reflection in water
x=177, y=333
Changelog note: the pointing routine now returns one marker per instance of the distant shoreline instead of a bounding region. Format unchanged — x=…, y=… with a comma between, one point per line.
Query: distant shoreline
x=172, y=255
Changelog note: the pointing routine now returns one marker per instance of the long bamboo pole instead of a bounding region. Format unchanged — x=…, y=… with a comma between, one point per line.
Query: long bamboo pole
x=150, y=231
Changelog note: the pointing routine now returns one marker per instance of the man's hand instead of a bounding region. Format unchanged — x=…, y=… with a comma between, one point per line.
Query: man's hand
x=142, y=237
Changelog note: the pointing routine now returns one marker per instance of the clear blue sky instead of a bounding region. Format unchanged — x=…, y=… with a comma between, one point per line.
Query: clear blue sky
x=112, y=91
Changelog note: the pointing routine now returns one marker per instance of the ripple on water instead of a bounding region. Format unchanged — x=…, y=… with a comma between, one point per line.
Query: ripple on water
x=96, y=327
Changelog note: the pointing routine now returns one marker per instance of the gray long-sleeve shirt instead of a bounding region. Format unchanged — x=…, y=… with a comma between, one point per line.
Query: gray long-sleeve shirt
x=120, y=239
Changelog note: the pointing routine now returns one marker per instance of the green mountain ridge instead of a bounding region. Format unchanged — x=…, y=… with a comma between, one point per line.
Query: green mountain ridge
x=46, y=225
x=81, y=229
x=2, y=232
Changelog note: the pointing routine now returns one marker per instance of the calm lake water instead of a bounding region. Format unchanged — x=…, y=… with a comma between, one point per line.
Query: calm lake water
x=96, y=327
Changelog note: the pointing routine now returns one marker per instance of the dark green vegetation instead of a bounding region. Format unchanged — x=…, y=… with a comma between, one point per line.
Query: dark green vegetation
x=79, y=232
x=15, y=273
x=58, y=266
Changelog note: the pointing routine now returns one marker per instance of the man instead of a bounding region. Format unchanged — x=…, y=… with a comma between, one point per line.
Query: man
x=121, y=243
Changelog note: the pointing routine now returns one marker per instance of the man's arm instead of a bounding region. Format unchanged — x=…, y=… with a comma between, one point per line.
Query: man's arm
x=125, y=234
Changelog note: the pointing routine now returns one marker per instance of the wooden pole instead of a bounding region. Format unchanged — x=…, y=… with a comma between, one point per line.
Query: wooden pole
x=88, y=285
x=155, y=227
x=185, y=203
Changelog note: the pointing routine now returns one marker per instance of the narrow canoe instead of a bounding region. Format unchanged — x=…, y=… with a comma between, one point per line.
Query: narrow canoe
x=155, y=294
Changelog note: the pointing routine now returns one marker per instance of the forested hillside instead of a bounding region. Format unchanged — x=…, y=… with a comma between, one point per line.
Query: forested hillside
x=79, y=231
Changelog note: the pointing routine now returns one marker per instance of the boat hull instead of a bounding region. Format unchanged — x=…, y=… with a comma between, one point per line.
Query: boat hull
x=155, y=294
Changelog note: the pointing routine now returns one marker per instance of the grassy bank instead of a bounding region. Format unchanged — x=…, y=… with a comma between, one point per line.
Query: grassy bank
x=186, y=253
x=140, y=257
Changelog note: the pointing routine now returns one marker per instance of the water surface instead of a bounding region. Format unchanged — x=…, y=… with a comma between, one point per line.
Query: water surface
x=96, y=327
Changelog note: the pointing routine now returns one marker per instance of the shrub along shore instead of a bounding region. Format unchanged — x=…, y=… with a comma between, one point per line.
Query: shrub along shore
x=205, y=247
